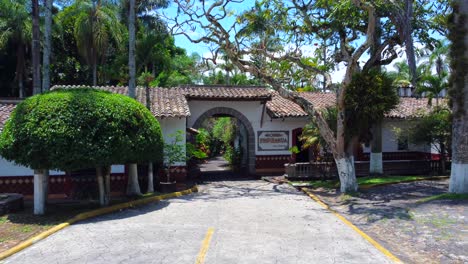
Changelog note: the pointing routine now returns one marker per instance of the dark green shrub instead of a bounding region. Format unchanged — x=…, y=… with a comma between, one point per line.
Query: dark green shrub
x=80, y=128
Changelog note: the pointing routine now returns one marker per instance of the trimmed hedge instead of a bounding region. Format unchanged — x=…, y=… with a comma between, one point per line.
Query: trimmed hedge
x=70, y=129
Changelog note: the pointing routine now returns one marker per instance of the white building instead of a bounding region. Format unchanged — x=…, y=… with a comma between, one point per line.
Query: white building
x=271, y=125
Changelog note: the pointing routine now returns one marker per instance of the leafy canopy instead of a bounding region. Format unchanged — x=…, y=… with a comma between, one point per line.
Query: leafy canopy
x=370, y=95
x=80, y=128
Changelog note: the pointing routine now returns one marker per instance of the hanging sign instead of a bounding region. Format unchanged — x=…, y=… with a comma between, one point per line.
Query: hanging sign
x=273, y=140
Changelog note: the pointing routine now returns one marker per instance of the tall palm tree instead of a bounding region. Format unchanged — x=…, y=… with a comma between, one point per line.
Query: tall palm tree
x=133, y=187
x=438, y=58
x=135, y=6
x=96, y=26
x=16, y=28
x=432, y=85
x=36, y=48
x=47, y=50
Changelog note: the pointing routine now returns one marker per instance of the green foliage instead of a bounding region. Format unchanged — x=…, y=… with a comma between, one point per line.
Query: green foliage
x=294, y=150
x=369, y=96
x=433, y=128
x=80, y=128
x=183, y=69
x=203, y=140
x=175, y=150
x=310, y=135
x=224, y=129
x=145, y=79
x=193, y=152
x=233, y=156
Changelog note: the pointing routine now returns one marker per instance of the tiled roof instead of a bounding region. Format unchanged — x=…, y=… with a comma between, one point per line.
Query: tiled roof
x=319, y=100
x=165, y=102
x=5, y=111
x=280, y=107
x=226, y=92
x=409, y=107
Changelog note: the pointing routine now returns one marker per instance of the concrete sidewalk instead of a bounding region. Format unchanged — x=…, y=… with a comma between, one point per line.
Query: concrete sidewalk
x=253, y=222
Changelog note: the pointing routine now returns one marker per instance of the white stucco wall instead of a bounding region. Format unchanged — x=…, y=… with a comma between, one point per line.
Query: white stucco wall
x=8, y=168
x=389, y=137
x=170, y=126
x=252, y=110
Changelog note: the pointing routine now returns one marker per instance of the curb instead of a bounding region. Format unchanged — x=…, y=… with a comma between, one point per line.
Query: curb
x=355, y=228
x=83, y=216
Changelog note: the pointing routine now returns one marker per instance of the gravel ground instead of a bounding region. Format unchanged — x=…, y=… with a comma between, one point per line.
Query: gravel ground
x=431, y=232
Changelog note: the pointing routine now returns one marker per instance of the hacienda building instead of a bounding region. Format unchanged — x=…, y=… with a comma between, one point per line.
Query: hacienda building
x=269, y=126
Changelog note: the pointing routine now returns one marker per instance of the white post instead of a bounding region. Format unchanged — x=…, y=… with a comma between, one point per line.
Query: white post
x=39, y=191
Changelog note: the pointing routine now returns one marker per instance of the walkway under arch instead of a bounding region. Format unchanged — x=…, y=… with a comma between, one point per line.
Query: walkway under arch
x=250, y=131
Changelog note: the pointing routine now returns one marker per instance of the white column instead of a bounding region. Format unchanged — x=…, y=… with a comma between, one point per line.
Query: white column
x=40, y=185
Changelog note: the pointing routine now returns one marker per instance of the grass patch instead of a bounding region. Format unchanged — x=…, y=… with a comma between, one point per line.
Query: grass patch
x=388, y=179
x=362, y=181
x=444, y=196
x=3, y=219
x=26, y=229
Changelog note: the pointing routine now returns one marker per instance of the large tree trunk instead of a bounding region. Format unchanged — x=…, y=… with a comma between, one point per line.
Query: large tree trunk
x=347, y=174
x=408, y=38
x=47, y=46
x=459, y=54
x=376, y=162
x=103, y=179
x=20, y=69
x=150, y=188
x=150, y=178
x=94, y=73
x=131, y=50
x=100, y=181
x=133, y=187
x=36, y=48
x=107, y=183
x=40, y=191
x=442, y=158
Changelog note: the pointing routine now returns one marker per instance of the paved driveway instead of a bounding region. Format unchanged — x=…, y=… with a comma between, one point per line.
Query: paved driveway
x=253, y=222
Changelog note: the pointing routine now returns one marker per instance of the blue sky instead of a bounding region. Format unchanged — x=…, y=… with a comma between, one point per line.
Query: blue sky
x=236, y=9
x=200, y=48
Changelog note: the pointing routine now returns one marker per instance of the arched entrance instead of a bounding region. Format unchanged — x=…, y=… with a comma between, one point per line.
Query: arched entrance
x=220, y=111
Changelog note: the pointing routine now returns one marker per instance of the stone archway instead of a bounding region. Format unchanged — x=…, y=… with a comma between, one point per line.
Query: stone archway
x=245, y=122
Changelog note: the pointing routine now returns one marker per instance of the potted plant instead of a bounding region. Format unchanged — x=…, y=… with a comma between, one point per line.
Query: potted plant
x=173, y=152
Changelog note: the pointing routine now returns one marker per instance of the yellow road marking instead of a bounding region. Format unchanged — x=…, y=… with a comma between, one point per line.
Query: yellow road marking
x=204, y=247
x=355, y=228
x=87, y=215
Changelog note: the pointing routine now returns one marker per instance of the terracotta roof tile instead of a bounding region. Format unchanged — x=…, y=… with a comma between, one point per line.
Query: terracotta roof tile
x=165, y=102
x=5, y=112
x=409, y=107
x=280, y=107
x=227, y=92
x=320, y=100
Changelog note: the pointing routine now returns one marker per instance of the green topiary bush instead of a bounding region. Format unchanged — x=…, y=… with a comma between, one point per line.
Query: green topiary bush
x=80, y=128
